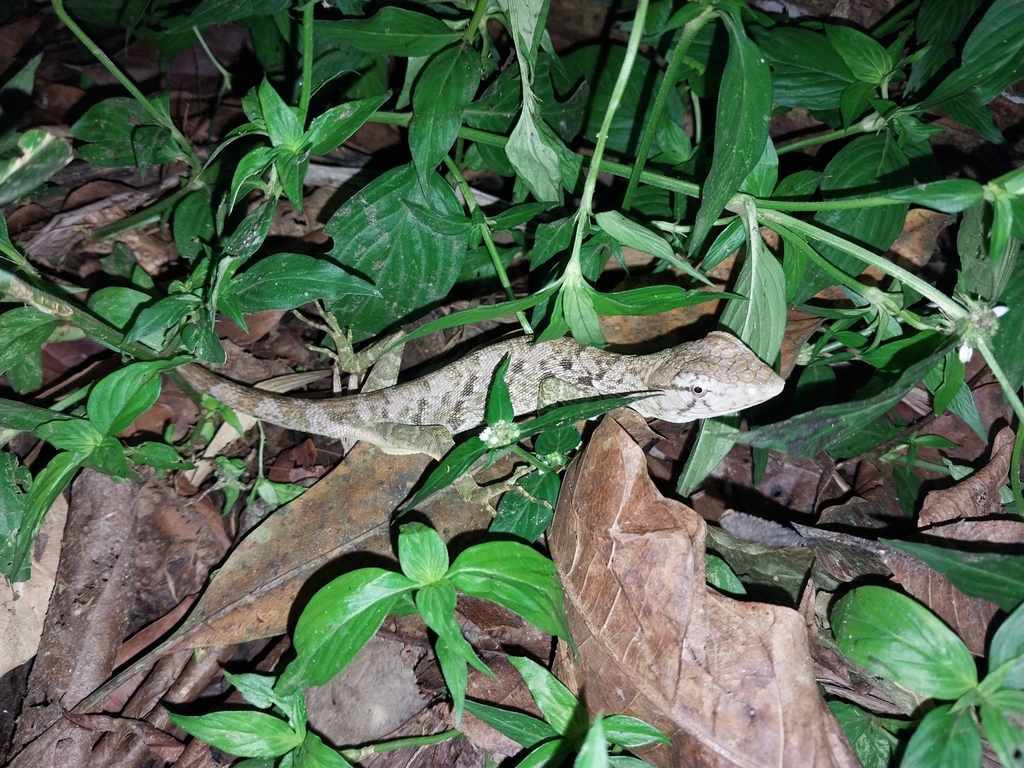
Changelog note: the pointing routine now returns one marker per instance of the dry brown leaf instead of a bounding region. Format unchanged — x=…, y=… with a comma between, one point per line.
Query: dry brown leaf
x=731, y=683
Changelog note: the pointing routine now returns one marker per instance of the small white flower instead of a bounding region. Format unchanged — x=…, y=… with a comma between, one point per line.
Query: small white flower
x=500, y=434
x=966, y=352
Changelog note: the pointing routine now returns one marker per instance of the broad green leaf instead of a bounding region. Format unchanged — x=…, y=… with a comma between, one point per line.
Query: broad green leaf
x=163, y=315
x=337, y=622
x=454, y=465
x=22, y=333
x=108, y=126
x=499, y=402
x=1008, y=342
x=630, y=732
x=40, y=155
x=76, y=435
x=949, y=196
x=560, y=708
x=291, y=170
x=526, y=17
x=158, y=456
x=248, y=173
x=252, y=231
x=741, y=128
x=652, y=299
x=147, y=142
x=517, y=577
x=760, y=322
x=762, y=177
x=992, y=576
x=119, y=398
x=720, y=576
x=807, y=71
x=1008, y=645
x=819, y=429
x=445, y=87
x=600, y=65
x=289, y=280
x=283, y=124
x=1000, y=718
x=315, y=754
x=523, y=729
x=715, y=438
x=456, y=678
x=594, y=749
x=256, y=689
x=534, y=161
x=377, y=236
x=527, y=515
x=210, y=12
x=867, y=733
x=864, y=55
x=896, y=637
x=192, y=224
x=394, y=31
x=944, y=739
x=26, y=418
x=868, y=164
x=46, y=487
x=548, y=754
x=938, y=24
x=634, y=235
x=331, y=129
x=580, y=314
x=245, y=733
x=991, y=58
x=422, y=553
x=117, y=304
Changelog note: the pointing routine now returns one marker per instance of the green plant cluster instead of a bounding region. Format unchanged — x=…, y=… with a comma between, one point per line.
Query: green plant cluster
x=548, y=123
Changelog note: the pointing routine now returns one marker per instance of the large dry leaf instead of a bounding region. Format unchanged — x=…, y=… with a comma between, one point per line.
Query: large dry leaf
x=731, y=683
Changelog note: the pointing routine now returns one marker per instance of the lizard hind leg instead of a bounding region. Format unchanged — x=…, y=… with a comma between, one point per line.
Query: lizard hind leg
x=397, y=439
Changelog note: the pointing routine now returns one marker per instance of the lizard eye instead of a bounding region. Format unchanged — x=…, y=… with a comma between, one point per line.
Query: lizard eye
x=697, y=390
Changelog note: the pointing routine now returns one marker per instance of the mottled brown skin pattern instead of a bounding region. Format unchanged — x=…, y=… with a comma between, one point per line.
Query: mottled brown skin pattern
x=696, y=380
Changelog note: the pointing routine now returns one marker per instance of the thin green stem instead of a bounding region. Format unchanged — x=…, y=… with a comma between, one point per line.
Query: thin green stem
x=946, y=305
x=307, y=62
x=225, y=76
x=359, y=755
x=1018, y=408
x=841, y=204
x=492, y=249
x=474, y=23
x=106, y=61
x=668, y=83
x=573, y=270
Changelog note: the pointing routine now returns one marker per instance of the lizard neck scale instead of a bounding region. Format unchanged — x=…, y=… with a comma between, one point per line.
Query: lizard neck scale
x=712, y=376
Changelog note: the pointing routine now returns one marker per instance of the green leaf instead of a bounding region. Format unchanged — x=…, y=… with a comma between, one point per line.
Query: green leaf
x=147, y=142
x=163, y=315
x=560, y=708
x=338, y=621
x=315, y=754
x=991, y=58
x=992, y=576
x=119, y=398
x=534, y=161
x=108, y=128
x=210, y=12
x=248, y=172
x=1008, y=645
x=26, y=418
x=289, y=280
x=46, y=487
x=867, y=733
x=631, y=732
x=634, y=235
x=242, y=733
x=377, y=236
x=291, y=170
x=949, y=196
x=523, y=729
x=652, y=299
x=393, y=31
x=283, y=124
x=456, y=464
x=499, y=402
x=331, y=129
x=76, y=435
x=1005, y=737
x=868, y=164
x=807, y=71
x=22, y=333
x=159, y=456
x=720, y=576
x=898, y=638
x=527, y=515
x=40, y=155
x=741, y=128
x=252, y=231
x=580, y=315
x=819, y=429
x=760, y=322
x=117, y=304
x=445, y=87
x=517, y=577
x=594, y=749
x=864, y=55
x=944, y=739
x=422, y=553
x=453, y=669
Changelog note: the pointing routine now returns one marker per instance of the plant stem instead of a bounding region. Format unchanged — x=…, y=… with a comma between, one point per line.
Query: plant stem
x=307, y=62
x=946, y=305
x=668, y=83
x=478, y=13
x=225, y=76
x=106, y=61
x=573, y=270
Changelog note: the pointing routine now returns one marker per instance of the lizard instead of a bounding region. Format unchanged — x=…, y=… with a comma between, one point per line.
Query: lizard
x=698, y=379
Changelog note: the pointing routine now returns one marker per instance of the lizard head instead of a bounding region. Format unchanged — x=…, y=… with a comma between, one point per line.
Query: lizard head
x=713, y=376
